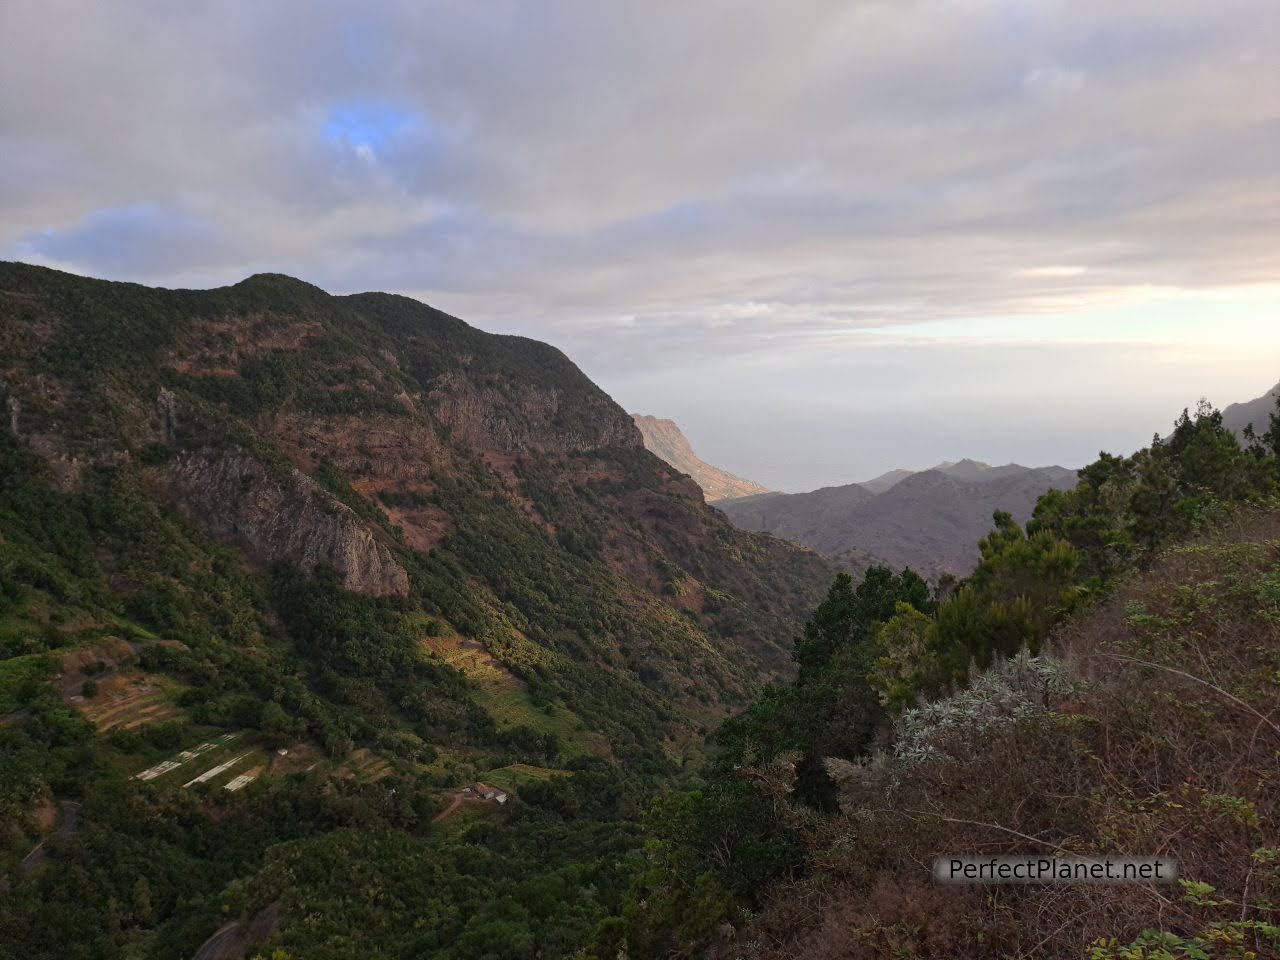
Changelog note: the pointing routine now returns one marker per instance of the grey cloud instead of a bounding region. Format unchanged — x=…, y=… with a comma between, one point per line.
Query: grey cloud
x=152, y=239
x=695, y=180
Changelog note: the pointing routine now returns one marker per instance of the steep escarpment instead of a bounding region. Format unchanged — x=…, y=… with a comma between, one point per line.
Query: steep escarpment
x=496, y=393
x=665, y=439
x=288, y=517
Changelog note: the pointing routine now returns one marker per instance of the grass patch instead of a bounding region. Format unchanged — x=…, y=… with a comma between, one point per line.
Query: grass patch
x=467, y=815
x=511, y=777
x=505, y=698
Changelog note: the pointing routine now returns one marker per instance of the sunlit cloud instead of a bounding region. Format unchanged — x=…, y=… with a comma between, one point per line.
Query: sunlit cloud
x=660, y=188
x=1056, y=271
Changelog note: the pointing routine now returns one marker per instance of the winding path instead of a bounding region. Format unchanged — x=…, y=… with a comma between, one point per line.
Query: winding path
x=457, y=801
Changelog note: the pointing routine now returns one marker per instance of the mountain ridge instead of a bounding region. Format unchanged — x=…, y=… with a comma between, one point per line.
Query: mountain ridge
x=929, y=520
x=367, y=433
x=282, y=573
x=1257, y=412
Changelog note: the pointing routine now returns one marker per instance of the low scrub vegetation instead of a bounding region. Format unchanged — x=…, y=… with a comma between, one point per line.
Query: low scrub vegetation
x=1104, y=684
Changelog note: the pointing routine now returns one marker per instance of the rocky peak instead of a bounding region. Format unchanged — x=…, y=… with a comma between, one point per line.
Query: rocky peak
x=664, y=439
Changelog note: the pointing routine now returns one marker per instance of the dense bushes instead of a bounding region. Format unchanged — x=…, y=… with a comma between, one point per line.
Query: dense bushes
x=872, y=652
x=1147, y=731
x=1125, y=508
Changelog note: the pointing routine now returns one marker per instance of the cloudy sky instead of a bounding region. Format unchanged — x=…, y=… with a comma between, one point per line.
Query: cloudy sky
x=828, y=238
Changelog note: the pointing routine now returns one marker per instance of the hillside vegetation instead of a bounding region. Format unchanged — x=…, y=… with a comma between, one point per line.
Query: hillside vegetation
x=1104, y=684
x=281, y=572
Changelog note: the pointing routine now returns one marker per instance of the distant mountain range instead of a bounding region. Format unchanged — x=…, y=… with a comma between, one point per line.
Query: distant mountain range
x=929, y=520
x=1239, y=415
x=663, y=439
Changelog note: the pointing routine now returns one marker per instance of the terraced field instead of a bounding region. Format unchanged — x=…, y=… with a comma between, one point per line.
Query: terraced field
x=240, y=781
x=129, y=700
x=510, y=777
x=364, y=764
x=505, y=697
x=224, y=761
x=465, y=814
x=214, y=772
x=298, y=758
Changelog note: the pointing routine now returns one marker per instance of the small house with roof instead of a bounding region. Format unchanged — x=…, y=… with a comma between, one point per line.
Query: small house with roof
x=482, y=791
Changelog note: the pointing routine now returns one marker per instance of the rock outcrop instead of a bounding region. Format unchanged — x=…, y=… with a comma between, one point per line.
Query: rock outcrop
x=664, y=439
x=234, y=496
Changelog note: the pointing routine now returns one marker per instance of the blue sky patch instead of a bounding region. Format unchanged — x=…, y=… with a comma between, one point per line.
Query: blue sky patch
x=367, y=125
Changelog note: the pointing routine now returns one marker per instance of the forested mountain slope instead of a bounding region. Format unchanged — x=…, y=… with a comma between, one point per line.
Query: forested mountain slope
x=404, y=552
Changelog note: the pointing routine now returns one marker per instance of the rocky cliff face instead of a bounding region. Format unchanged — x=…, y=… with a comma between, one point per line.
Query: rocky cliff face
x=283, y=517
x=664, y=439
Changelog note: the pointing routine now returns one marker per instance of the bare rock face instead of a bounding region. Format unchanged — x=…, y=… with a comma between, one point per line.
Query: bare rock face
x=167, y=411
x=233, y=496
x=664, y=439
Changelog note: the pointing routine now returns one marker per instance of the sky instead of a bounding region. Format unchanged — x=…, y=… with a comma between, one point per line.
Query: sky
x=827, y=238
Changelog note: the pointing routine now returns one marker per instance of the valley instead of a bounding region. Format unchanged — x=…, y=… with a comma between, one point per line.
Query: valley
x=624, y=481
x=302, y=591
